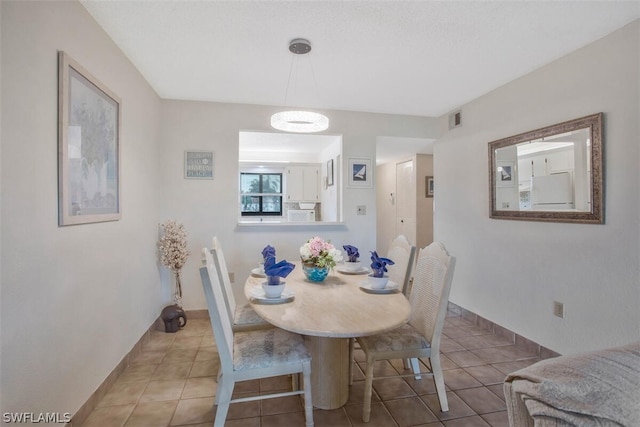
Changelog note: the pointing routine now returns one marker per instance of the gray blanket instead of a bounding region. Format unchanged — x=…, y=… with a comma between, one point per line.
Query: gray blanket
x=600, y=388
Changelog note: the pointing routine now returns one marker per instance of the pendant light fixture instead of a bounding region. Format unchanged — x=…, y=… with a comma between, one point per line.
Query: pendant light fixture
x=299, y=120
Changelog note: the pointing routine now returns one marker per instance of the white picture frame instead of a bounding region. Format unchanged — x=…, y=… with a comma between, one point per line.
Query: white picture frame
x=89, y=120
x=359, y=172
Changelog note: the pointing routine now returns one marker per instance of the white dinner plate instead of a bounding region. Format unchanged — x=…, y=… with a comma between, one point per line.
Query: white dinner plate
x=362, y=270
x=257, y=272
x=391, y=288
x=258, y=297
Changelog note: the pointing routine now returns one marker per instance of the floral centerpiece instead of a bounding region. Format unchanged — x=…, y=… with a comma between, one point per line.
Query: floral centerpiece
x=318, y=256
x=172, y=246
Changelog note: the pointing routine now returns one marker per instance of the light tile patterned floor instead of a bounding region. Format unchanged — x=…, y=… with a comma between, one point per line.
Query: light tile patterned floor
x=172, y=383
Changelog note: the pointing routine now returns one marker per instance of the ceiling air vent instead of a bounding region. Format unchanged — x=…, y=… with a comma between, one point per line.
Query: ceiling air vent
x=455, y=119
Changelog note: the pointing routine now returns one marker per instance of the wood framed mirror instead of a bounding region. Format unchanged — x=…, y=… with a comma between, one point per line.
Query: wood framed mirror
x=551, y=174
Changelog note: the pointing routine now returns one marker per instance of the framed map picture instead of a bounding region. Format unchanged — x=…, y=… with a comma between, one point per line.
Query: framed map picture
x=88, y=147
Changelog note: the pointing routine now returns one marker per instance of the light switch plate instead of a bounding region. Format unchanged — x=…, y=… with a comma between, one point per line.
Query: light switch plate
x=558, y=309
x=362, y=210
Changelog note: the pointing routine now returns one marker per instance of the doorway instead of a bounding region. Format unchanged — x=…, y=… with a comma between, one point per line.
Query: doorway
x=402, y=165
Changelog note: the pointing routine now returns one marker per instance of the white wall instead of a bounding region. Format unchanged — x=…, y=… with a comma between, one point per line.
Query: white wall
x=510, y=272
x=385, y=207
x=74, y=299
x=330, y=194
x=209, y=208
x=424, y=204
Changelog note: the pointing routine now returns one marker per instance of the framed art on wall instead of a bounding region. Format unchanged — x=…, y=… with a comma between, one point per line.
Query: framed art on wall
x=429, y=186
x=198, y=164
x=360, y=173
x=330, y=172
x=88, y=147
x=504, y=174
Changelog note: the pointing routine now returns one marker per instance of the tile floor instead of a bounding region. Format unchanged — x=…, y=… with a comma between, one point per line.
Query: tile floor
x=172, y=383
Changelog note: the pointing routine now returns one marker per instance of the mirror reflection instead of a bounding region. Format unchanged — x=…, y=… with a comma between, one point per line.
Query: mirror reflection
x=551, y=174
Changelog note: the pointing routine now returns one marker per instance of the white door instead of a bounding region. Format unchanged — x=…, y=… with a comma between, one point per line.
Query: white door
x=406, y=200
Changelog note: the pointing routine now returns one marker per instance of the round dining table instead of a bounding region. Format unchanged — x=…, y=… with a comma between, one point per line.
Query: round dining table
x=329, y=314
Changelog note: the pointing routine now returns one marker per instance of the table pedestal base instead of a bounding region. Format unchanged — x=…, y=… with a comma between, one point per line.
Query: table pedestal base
x=329, y=371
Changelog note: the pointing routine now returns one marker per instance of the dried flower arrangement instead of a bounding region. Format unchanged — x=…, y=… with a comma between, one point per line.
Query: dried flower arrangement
x=173, y=251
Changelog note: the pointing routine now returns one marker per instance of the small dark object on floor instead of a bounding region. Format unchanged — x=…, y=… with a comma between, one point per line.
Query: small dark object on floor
x=171, y=316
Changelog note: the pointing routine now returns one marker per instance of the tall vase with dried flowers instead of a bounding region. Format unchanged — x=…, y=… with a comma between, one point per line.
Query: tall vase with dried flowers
x=173, y=252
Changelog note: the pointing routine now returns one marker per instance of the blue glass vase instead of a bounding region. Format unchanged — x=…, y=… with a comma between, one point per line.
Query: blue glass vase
x=315, y=274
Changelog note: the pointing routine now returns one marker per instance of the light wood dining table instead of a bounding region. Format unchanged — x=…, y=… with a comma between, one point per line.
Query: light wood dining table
x=329, y=314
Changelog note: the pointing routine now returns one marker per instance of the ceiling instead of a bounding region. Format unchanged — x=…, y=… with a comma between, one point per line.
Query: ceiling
x=423, y=58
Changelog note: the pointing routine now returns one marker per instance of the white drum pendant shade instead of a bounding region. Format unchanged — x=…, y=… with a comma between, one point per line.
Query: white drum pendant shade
x=299, y=121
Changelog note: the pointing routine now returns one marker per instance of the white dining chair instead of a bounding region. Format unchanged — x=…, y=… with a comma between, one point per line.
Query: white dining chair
x=402, y=253
x=249, y=355
x=243, y=317
x=420, y=337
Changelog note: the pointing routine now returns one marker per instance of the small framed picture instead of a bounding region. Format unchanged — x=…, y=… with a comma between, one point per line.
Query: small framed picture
x=360, y=173
x=429, y=186
x=505, y=174
x=329, y=172
x=198, y=164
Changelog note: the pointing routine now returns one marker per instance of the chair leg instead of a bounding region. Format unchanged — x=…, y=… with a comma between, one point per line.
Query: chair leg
x=368, y=385
x=438, y=378
x=415, y=367
x=223, y=399
x=351, y=362
x=219, y=381
x=295, y=381
x=308, y=403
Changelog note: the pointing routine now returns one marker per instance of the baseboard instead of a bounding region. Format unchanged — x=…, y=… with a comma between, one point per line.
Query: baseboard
x=158, y=325
x=518, y=340
x=197, y=314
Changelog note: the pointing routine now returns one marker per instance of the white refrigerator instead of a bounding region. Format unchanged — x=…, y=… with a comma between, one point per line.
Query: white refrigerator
x=552, y=192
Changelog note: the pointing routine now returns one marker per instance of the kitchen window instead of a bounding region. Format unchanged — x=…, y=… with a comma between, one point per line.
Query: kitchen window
x=260, y=194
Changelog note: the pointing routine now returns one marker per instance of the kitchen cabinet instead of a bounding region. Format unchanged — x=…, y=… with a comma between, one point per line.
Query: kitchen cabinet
x=303, y=183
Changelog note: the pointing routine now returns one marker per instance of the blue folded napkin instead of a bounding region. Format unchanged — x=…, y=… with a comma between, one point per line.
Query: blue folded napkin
x=352, y=252
x=379, y=264
x=280, y=269
x=268, y=251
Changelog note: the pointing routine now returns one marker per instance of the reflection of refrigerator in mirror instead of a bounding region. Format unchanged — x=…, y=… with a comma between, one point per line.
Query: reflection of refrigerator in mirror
x=552, y=192
x=525, y=198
